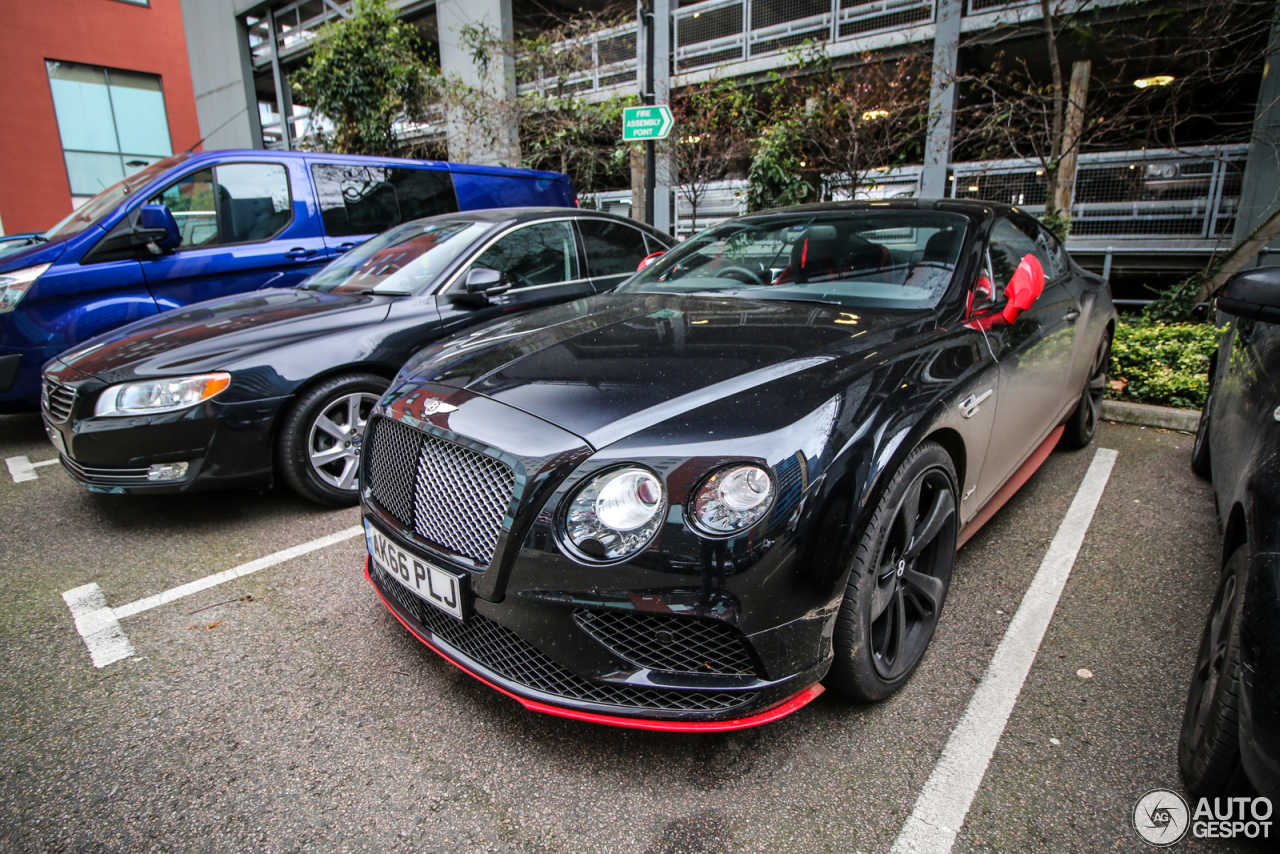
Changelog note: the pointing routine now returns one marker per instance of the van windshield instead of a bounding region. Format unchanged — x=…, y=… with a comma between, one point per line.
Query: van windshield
x=109, y=199
x=404, y=260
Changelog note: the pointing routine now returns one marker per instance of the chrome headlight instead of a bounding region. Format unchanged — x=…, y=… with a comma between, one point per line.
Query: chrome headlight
x=733, y=499
x=13, y=286
x=152, y=397
x=615, y=514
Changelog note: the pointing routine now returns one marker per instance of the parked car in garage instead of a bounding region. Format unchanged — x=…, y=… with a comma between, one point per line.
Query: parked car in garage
x=198, y=226
x=682, y=504
x=279, y=383
x=1230, y=737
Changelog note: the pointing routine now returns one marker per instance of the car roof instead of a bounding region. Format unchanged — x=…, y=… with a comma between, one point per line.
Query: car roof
x=368, y=160
x=976, y=209
x=532, y=214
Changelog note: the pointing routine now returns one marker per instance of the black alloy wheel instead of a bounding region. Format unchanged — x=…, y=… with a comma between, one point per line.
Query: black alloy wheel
x=1083, y=421
x=319, y=446
x=1209, y=744
x=899, y=578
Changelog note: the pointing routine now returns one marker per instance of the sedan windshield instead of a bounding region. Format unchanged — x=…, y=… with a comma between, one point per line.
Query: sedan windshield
x=402, y=261
x=858, y=258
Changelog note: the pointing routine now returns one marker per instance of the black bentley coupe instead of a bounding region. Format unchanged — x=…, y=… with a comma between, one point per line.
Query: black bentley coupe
x=681, y=504
x=238, y=391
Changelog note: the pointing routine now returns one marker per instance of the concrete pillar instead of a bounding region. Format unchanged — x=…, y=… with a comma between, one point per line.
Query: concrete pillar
x=1260, y=191
x=663, y=30
x=494, y=140
x=942, y=100
x=221, y=74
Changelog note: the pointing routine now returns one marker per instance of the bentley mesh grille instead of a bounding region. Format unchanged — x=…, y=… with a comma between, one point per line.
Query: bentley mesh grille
x=666, y=642
x=450, y=495
x=505, y=653
x=58, y=400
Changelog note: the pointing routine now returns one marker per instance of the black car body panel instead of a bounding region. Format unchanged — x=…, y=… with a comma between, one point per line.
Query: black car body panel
x=1245, y=452
x=275, y=344
x=827, y=398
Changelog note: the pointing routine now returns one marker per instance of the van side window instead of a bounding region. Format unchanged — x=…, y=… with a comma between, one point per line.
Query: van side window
x=234, y=203
x=369, y=199
x=613, y=249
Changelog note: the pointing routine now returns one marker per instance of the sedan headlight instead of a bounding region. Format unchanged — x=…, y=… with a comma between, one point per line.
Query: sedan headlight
x=153, y=397
x=13, y=286
x=615, y=514
x=733, y=499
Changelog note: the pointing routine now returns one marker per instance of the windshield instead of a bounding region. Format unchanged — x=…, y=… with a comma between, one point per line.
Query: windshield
x=109, y=199
x=404, y=260
x=863, y=258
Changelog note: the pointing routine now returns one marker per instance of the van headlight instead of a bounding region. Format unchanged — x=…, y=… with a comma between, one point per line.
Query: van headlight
x=14, y=286
x=152, y=397
x=615, y=514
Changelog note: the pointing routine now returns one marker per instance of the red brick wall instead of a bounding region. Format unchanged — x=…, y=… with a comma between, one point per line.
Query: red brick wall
x=34, y=192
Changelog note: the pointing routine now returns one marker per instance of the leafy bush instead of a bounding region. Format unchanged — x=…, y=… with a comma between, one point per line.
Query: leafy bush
x=1162, y=363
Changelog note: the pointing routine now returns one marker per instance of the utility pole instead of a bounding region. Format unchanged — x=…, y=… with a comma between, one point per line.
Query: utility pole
x=654, y=73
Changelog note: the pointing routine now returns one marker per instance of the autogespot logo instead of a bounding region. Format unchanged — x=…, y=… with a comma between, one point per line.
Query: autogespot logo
x=1161, y=817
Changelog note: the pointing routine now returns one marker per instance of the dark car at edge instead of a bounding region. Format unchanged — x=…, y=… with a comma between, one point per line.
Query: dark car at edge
x=682, y=504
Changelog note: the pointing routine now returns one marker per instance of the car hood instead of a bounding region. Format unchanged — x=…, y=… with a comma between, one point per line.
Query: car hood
x=20, y=257
x=612, y=365
x=208, y=336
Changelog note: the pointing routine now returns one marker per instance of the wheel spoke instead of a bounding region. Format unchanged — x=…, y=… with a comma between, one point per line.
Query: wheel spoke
x=347, y=481
x=925, y=589
x=353, y=412
x=323, y=423
x=943, y=507
x=323, y=458
x=898, y=630
x=910, y=510
x=881, y=598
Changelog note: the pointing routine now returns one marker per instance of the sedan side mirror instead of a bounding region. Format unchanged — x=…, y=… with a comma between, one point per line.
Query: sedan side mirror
x=157, y=229
x=479, y=286
x=1254, y=294
x=1024, y=288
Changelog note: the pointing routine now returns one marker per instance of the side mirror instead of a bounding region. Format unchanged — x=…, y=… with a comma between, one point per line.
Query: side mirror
x=1024, y=288
x=479, y=286
x=650, y=258
x=1254, y=294
x=157, y=229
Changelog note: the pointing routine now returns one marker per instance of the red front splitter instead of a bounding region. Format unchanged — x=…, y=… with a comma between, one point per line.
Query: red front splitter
x=786, y=707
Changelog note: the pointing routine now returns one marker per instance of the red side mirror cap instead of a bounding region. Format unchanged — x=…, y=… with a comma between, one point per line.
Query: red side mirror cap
x=1024, y=288
x=650, y=258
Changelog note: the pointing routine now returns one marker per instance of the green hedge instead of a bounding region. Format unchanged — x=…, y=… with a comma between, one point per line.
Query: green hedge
x=1162, y=363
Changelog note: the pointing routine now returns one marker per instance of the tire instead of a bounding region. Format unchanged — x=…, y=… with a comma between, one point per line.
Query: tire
x=898, y=579
x=1209, y=743
x=319, y=449
x=1083, y=421
x=1200, y=461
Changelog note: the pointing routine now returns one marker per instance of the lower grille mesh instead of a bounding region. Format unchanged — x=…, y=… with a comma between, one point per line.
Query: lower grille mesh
x=667, y=642
x=503, y=651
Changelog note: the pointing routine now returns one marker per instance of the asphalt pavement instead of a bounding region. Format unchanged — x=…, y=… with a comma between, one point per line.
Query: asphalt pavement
x=288, y=710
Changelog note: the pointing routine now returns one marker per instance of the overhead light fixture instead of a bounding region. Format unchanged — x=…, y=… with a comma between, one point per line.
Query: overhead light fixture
x=1157, y=80
x=973, y=188
x=873, y=115
x=1039, y=171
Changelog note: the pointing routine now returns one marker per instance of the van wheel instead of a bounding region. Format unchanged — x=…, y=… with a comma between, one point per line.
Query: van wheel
x=319, y=446
x=899, y=579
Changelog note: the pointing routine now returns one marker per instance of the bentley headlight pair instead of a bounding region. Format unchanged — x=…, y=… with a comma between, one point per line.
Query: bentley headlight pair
x=616, y=513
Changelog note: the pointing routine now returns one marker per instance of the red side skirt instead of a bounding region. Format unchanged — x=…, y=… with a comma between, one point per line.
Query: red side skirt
x=1012, y=485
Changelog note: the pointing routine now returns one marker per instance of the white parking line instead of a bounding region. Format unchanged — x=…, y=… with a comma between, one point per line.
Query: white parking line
x=944, y=802
x=21, y=468
x=99, y=625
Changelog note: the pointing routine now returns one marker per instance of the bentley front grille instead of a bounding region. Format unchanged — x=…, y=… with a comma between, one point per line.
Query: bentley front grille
x=667, y=642
x=504, y=652
x=450, y=495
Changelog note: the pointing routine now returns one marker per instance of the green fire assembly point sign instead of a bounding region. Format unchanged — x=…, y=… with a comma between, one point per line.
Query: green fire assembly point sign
x=642, y=123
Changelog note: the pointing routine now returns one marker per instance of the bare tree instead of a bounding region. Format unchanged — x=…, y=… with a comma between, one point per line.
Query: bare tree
x=714, y=122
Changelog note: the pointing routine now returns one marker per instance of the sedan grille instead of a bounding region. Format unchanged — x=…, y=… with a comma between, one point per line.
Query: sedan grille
x=667, y=642
x=100, y=476
x=58, y=400
x=505, y=653
x=450, y=495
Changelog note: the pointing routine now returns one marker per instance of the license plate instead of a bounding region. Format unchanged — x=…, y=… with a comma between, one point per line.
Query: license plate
x=427, y=581
x=56, y=438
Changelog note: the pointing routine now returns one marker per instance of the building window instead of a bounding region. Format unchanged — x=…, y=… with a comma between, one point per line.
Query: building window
x=112, y=123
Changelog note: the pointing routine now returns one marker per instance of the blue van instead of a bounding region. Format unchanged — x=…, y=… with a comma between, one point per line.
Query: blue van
x=203, y=225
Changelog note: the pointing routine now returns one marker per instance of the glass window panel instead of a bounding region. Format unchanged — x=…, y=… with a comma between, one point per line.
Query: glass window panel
x=192, y=202
x=253, y=201
x=534, y=255
x=613, y=249
x=141, y=122
x=91, y=173
x=83, y=108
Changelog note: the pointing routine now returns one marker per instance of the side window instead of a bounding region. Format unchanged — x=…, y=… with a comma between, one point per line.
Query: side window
x=368, y=199
x=613, y=249
x=235, y=203
x=542, y=254
x=1006, y=249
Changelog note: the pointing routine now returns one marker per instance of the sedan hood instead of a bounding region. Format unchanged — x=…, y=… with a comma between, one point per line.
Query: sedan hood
x=609, y=366
x=208, y=336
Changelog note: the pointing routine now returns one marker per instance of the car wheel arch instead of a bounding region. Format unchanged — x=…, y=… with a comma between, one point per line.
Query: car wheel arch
x=1235, y=533
x=311, y=382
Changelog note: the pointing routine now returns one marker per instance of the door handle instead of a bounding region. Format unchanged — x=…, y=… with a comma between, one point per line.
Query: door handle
x=344, y=247
x=297, y=253
x=969, y=406
x=1071, y=315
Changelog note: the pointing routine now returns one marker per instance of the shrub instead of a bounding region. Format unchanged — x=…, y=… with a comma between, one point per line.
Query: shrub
x=1162, y=363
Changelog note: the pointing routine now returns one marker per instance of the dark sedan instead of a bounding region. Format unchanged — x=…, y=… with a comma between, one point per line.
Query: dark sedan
x=233, y=392
x=1231, y=729
x=682, y=504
